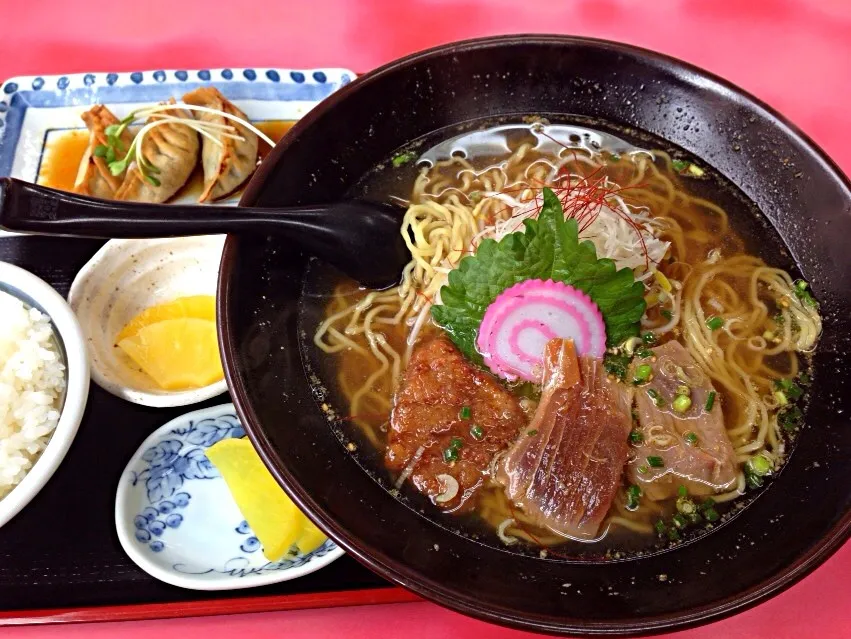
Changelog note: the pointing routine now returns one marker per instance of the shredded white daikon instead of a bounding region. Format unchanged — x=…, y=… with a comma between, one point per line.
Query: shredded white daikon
x=616, y=235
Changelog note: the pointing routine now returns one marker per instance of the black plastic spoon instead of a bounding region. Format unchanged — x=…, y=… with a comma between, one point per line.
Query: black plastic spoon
x=360, y=238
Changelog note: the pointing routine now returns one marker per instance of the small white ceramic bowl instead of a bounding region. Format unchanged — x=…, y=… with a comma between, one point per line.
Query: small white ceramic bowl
x=176, y=518
x=39, y=294
x=124, y=278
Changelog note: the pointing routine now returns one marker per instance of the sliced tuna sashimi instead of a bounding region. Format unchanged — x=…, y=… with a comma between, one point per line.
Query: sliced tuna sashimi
x=446, y=404
x=565, y=469
x=690, y=448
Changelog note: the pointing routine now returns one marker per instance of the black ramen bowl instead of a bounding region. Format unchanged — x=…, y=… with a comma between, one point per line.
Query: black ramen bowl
x=792, y=526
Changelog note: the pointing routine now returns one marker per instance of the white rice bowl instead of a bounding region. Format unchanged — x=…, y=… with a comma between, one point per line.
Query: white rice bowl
x=32, y=388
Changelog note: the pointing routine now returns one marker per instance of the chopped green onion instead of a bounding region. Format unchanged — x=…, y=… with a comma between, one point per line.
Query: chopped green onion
x=792, y=391
x=643, y=353
x=656, y=462
x=403, y=158
x=710, y=401
x=660, y=526
x=707, y=503
x=476, y=432
x=465, y=412
x=759, y=465
x=679, y=521
x=752, y=480
x=756, y=468
x=653, y=394
x=694, y=518
x=710, y=514
x=682, y=403
x=682, y=389
x=456, y=442
x=714, y=323
x=643, y=469
x=633, y=495
x=690, y=438
x=616, y=365
x=673, y=534
x=695, y=170
x=805, y=379
x=790, y=419
x=475, y=196
x=615, y=156
x=682, y=491
x=450, y=455
x=803, y=294
x=781, y=398
x=636, y=437
x=532, y=432
x=679, y=165
x=642, y=373
x=649, y=338
x=686, y=506
x=667, y=314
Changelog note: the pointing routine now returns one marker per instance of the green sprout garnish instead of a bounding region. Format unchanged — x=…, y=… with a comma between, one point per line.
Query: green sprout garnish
x=118, y=161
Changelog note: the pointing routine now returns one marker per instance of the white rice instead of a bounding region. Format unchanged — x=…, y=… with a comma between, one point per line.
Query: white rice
x=32, y=380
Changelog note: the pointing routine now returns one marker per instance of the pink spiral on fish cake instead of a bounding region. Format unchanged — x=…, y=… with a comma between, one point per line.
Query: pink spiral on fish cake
x=524, y=317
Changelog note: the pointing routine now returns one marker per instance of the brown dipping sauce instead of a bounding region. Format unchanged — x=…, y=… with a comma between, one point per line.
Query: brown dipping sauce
x=62, y=157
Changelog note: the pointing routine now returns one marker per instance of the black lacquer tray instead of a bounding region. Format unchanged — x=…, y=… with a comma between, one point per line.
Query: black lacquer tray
x=60, y=559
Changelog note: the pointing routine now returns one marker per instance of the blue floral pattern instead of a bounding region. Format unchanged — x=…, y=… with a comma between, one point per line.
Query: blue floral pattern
x=241, y=566
x=251, y=543
x=172, y=462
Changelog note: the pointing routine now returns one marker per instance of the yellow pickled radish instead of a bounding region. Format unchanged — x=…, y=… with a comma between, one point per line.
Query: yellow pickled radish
x=272, y=516
x=197, y=306
x=311, y=538
x=178, y=353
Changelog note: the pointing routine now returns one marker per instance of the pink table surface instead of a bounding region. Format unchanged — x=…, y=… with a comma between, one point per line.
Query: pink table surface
x=794, y=54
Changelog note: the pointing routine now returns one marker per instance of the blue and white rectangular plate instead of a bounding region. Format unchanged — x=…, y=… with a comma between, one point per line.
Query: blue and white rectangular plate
x=36, y=111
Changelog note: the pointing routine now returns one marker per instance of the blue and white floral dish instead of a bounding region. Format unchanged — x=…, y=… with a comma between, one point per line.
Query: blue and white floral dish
x=34, y=110
x=176, y=518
